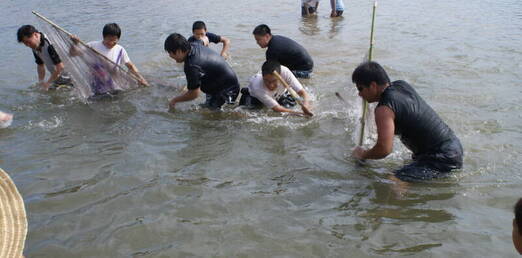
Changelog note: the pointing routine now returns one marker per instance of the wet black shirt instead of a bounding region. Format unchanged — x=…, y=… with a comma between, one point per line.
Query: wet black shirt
x=417, y=124
x=207, y=70
x=211, y=38
x=289, y=53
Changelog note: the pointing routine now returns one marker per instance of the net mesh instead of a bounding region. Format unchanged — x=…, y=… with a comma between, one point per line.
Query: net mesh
x=92, y=73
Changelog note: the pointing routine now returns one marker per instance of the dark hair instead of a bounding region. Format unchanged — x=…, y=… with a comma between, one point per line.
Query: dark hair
x=518, y=215
x=111, y=29
x=262, y=30
x=199, y=25
x=25, y=31
x=176, y=42
x=368, y=72
x=270, y=66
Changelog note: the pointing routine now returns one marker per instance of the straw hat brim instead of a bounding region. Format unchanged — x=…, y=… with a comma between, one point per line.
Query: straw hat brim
x=13, y=220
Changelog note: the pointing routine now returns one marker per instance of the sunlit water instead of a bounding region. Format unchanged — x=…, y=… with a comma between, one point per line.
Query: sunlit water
x=127, y=178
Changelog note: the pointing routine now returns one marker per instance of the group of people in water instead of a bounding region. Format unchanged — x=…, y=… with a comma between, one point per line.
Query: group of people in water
x=436, y=150
x=400, y=110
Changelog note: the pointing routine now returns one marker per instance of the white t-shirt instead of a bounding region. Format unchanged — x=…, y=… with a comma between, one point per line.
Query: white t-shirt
x=257, y=88
x=112, y=53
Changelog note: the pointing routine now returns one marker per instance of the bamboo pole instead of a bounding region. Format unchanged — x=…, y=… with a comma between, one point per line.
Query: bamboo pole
x=370, y=55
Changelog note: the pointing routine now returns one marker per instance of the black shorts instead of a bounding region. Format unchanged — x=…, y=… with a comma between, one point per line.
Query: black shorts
x=286, y=100
x=228, y=95
x=435, y=165
x=311, y=10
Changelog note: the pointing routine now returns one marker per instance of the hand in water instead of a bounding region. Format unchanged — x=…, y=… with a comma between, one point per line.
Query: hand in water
x=143, y=82
x=172, y=105
x=45, y=85
x=358, y=153
x=225, y=55
x=5, y=119
x=306, y=110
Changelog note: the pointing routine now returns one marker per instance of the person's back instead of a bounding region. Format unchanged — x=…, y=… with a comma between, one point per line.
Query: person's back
x=418, y=125
x=289, y=53
x=208, y=66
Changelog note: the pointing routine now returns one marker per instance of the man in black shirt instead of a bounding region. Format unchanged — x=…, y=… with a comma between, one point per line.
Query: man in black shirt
x=285, y=51
x=45, y=57
x=205, y=70
x=400, y=110
x=201, y=35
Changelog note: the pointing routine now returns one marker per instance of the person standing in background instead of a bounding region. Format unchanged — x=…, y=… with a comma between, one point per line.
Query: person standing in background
x=309, y=7
x=337, y=8
x=201, y=35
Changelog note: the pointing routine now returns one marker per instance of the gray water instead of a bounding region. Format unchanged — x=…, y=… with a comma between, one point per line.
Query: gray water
x=126, y=178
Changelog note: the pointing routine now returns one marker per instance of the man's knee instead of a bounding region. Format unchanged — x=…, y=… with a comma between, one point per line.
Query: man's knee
x=419, y=171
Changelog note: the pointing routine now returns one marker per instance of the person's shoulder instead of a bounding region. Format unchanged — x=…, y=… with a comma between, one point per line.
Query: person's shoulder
x=255, y=81
x=285, y=70
x=210, y=34
x=94, y=43
x=401, y=83
x=119, y=47
x=214, y=38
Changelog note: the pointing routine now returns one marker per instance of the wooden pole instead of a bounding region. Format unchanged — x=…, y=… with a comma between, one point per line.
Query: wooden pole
x=370, y=55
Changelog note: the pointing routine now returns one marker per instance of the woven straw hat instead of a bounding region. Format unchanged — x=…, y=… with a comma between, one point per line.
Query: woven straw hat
x=13, y=221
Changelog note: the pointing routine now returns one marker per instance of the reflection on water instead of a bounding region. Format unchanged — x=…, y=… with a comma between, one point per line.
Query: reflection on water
x=309, y=26
x=336, y=25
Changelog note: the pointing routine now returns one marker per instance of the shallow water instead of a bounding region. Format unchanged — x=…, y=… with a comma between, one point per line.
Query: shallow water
x=127, y=178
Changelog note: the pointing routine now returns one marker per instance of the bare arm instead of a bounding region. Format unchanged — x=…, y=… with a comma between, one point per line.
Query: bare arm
x=58, y=68
x=226, y=46
x=40, y=69
x=134, y=70
x=187, y=96
x=384, y=118
x=282, y=109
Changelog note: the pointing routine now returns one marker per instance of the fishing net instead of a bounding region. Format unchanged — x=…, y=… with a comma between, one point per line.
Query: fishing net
x=92, y=73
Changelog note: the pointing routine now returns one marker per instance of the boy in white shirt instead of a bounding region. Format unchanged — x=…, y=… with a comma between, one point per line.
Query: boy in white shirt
x=109, y=47
x=264, y=89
